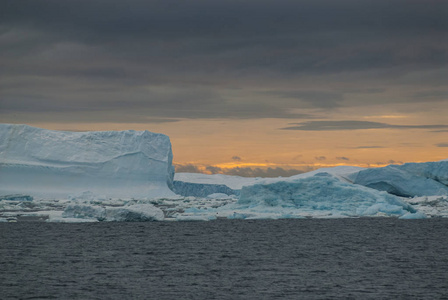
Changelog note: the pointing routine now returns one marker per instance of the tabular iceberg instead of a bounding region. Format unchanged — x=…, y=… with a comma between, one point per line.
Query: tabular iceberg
x=51, y=163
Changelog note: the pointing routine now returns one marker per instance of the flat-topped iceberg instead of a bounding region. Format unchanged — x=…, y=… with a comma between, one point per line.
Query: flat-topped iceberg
x=51, y=163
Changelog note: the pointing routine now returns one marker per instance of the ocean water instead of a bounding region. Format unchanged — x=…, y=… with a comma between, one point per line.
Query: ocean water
x=377, y=258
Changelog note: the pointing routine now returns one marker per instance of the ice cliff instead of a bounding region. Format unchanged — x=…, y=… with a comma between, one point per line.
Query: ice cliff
x=56, y=163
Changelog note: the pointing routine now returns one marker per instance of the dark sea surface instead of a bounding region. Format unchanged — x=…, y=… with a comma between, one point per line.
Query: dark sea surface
x=380, y=258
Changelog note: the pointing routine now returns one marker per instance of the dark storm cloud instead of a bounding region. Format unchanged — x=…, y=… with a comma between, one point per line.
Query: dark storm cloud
x=236, y=158
x=214, y=59
x=355, y=125
x=436, y=95
x=317, y=99
x=442, y=145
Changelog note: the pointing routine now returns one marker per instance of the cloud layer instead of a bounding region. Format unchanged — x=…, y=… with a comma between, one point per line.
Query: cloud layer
x=164, y=60
x=356, y=125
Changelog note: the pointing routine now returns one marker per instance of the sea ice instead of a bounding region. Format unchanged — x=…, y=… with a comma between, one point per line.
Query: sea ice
x=128, y=213
x=412, y=216
x=134, y=213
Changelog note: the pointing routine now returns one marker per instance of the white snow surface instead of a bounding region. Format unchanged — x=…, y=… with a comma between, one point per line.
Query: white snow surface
x=48, y=163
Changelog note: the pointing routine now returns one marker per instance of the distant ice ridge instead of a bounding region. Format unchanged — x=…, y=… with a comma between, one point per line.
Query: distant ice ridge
x=201, y=185
x=437, y=171
x=233, y=182
x=201, y=189
x=408, y=180
x=49, y=163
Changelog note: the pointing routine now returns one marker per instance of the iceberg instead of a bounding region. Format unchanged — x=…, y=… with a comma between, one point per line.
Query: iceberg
x=201, y=189
x=397, y=181
x=437, y=171
x=47, y=163
x=323, y=193
x=129, y=213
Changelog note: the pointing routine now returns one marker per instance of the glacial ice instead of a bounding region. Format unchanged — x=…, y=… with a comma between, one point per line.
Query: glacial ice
x=48, y=163
x=134, y=213
x=398, y=181
x=431, y=206
x=237, y=182
x=201, y=189
x=324, y=193
x=130, y=213
x=437, y=171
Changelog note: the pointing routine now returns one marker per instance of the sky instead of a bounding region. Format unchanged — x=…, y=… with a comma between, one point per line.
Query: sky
x=251, y=88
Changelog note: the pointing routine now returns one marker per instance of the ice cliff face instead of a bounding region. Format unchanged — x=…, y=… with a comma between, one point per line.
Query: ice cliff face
x=114, y=163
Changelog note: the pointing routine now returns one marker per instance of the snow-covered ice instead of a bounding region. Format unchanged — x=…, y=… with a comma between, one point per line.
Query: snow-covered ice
x=431, y=206
x=128, y=213
x=321, y=195
x=437, y=171
x=48, y=163
x=201, y=189
x=399, y=182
